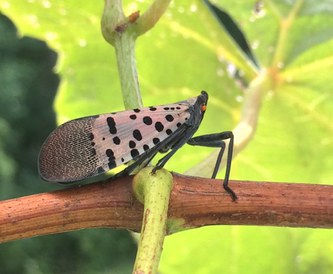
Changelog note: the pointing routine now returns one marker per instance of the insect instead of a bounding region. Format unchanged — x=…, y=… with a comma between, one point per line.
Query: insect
x=89, y=146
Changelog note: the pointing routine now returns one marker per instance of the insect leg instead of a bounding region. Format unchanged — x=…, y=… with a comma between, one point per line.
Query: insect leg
x=217, y=140
x=138, y=164
x=174, y=148
x=144, y=159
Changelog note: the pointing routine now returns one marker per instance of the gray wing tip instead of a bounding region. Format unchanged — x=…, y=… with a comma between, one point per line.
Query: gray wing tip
x=67, y=155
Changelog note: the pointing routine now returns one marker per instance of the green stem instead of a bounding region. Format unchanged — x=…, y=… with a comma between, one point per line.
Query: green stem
x=121, y=33
x=153, y=190
x=115, y=30
x=113, y=15
x=151, y=16
x=125, y=54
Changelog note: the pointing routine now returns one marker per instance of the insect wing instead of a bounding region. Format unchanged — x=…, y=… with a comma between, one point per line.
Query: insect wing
x=92, y=145
x=67, y=153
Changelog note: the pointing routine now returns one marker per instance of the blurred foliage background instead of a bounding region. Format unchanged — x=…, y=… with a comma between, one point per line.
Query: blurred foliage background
x=55, y=66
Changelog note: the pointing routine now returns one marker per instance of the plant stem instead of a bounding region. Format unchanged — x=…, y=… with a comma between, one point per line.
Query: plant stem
x=195, y=202
x=115, y=30
x=151, y=16
x=153, y=190
x=125, y=54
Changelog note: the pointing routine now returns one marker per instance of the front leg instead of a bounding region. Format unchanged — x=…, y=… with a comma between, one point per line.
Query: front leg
x=217, y=140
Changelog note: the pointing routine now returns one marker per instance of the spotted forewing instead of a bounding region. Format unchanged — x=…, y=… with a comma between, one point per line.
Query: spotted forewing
x=92, y=145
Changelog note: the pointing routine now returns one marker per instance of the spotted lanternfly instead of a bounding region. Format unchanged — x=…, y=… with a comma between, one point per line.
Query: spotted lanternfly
x=92, y=145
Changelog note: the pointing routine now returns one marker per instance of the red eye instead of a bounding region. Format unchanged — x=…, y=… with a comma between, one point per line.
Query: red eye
x=203, y=108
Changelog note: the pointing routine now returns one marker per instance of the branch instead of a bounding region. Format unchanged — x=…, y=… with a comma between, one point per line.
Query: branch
x=194, y=202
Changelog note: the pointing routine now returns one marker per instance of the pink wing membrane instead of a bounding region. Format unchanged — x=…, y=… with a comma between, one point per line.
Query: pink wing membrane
x=135, y=132
x=90, y=146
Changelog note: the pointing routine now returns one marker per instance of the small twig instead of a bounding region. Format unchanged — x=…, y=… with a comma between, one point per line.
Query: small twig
x=151, y=16
x=195, y=201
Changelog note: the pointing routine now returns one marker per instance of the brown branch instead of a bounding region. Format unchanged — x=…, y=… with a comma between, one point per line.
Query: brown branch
x=196, y=201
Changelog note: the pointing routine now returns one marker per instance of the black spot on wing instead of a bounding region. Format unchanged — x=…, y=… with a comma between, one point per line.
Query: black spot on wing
x=109, y=153
x=112, y=125
x=132, y=116
x=100, y=170
x=131, y=144
x=147, y=120
x=134, y=153
x=145, y=147
x=159, y=126
x=168, y=131
x=137, y=135
x=116, y=140
x=112, y=163
x=156, y=141
x=169, y=118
